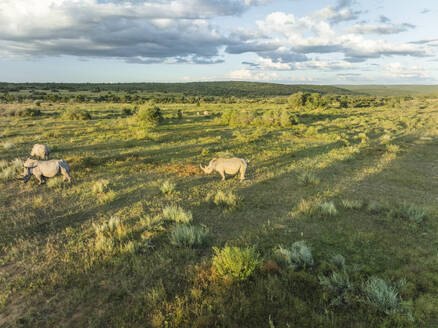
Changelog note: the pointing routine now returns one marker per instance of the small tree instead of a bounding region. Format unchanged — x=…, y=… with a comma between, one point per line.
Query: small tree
x=150, y=115
x=297, y=100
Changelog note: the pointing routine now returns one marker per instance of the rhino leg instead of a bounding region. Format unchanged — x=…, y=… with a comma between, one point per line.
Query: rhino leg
x=242, y=173
x=65, y=174
x=222, y=175
x=40, y=178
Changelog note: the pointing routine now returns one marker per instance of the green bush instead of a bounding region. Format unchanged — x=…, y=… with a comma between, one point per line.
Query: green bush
x=149, y=115
x=188, y=236
x=383, y=295
x=375, y=208
x=76, y=114
x=409, y=212
x=10, y=170
x=338, y=284
x=177, y=214
x=298, y=256
x=8, y=145
x=127, y=111
x=339, y=261
x=235, y=263
x=167, y=187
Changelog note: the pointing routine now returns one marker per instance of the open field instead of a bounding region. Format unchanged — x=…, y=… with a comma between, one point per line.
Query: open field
x=104, y=251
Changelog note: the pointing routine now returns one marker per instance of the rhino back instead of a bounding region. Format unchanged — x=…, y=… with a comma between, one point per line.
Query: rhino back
x=49, y=168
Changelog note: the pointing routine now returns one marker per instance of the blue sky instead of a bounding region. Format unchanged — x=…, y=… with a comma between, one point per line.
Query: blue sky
x=284, y=41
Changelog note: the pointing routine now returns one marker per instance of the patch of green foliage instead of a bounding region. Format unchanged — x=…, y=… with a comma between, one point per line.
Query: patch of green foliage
x=235, y=262
x=76, y=114
x=184, y=235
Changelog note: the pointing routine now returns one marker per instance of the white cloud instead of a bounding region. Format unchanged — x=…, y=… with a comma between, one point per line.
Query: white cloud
x=380, y=28
x=324, y=65
x=145, y=30
x=400, y=71
x=250, y=75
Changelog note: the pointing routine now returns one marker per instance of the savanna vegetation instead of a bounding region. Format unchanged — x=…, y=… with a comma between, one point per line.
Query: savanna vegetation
x=335, y=226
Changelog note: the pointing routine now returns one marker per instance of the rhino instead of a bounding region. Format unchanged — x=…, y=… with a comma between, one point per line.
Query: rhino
x=41, y=151
x=45, y=169
x=226, y=165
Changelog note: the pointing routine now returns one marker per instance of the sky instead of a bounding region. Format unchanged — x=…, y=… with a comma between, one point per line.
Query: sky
x=281, y=41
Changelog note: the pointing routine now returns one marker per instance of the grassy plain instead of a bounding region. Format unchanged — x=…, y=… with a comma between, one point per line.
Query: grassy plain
x=102, y=252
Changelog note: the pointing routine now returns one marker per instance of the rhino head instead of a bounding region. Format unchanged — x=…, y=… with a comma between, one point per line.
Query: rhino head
x=30, y=163
x=211, y=166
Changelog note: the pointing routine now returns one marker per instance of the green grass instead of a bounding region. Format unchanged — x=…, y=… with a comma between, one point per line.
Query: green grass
x=75, y=254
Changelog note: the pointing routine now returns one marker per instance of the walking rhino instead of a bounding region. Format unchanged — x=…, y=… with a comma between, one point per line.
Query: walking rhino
x=45, y=169
x=227, y=166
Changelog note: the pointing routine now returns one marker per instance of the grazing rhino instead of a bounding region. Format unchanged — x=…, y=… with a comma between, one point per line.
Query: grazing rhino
x=41, y=151
x=206, y=113
x=228, y=166
x=45, y=169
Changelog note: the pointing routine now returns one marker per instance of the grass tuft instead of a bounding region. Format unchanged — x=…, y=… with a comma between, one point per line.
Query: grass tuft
x=188, y=236
x=307, y=178
x=352, y=204
x=409, y=212
x=8, y=145
x=177, y=214
x=298, y=256
x=339, y=285
x=328, y=209
x=167, y=187
x=10, y=171
x=383, y=295
x=226, y=199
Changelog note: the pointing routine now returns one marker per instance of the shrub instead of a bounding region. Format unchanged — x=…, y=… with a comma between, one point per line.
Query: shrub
x=328, y=209
x=100, y=186
x=188, y=236
x=339, y=285
x=297, y=256
x=3, y=164
x=339, y=261
x=11, y=170
x=235, y=263
x=28, y=112
x=308, y=178
x=108, y=233
x=352, y=204
x=177, y=214
x=8, y=145
x=149, y=115
x=383, y=295
x=375, y=208
x=392, y=148
x=226, y=199
x=75, y=114
x=131, y=247
x=407, y=211
x=167, y=187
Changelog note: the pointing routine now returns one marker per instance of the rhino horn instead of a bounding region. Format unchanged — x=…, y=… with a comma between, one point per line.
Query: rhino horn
x=202, y=168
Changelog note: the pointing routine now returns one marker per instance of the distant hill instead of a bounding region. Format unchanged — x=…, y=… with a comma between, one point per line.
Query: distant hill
x=227, y=89
x=392, y=90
